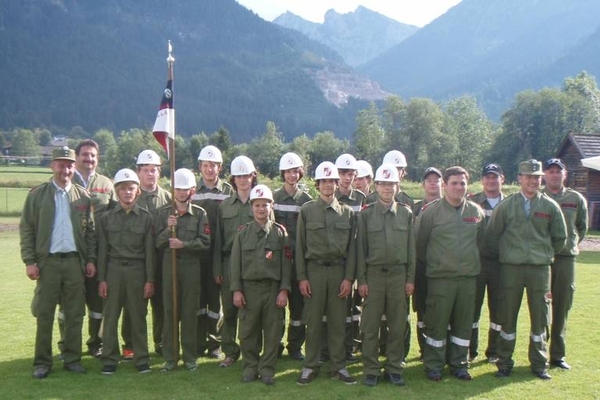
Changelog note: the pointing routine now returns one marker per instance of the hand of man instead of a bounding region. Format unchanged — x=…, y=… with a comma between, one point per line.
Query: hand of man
x=148, y=290
x=282, y=299
x=363, y=291
x=238, y=299
x=90, y=270
x=345, y=289
x=304, y=287
x=103, y=289
x=33, y=272
x=410, y=288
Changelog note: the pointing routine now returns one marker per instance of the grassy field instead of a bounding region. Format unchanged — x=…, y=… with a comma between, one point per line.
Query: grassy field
x=18, y=330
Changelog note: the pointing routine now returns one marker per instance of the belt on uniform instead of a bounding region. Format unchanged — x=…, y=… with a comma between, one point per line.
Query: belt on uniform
x=329, y=263
x=71, y=254
x=125, y=263
x=385, y=268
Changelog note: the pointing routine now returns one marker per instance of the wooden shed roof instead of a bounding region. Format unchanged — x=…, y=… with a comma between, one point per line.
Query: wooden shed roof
x=586, y=145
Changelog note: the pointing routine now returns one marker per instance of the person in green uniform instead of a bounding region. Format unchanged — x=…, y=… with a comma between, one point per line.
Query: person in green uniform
x=325, y=264
x=449, y=234
x=432, y=187
x=210, y=192
x=261, y=266
x=525, y=231
x=126, y=267
x=492, y=178
x=286, y=206
x=192, y=234
x=562, y=283
x=102, y=192
x=385, y=264
x=364, y=177
x=58, y=248
x=234, y=212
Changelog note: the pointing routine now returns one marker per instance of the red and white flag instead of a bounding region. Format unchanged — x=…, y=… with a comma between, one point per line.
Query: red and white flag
x=164, y=126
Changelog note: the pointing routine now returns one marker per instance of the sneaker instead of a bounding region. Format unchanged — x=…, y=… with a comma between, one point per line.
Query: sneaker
x=503, y=373
x=168, y=367
x=544, y=375
x=143, y=369
x=435, y=376
x=227, y=362
x=351, y=358
x=370, y=380
x=344, y=376
x=267, y=380
x=191, y=366
x=95, y=352
x=462, y=375
x=306, y=376
x=75, y=367
x=41, y=371
x=127, y=354
x=109, y=369
x=249, y=378
x=396, y=379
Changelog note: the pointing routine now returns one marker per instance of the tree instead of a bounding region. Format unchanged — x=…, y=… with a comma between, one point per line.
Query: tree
x=25, y=145
x=370, y=135
x=45, y=137
x=196, y=143
x=266, y=151
x=326, y=147
x=394, y=113
x=124, y=154
x=222, y=140
x=301, y=145
x=585, y=85
x=469, y=130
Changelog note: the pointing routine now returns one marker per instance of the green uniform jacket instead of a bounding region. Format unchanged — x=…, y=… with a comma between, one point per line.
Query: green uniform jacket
x=192, y=229
x=287, y=208
x=385, y=238
x=209, y=199
x=520, y=239
x=401, y=197
x=326, y=232
x=152, y=201
x=233, y=214
x=127, y=236
x=101, y=190
x=448, y=239
x=481, y=199
x=256, y=258
x=37, y=220
x=574, y=208
x=355, y=200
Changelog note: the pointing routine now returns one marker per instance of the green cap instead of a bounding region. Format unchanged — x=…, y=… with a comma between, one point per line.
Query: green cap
x=531, y=167
x=64, y=153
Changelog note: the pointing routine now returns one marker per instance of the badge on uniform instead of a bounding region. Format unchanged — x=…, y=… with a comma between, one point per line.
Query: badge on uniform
x=268, y=254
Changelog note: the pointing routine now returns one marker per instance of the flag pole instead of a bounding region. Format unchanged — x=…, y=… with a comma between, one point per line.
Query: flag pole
x=171, y=144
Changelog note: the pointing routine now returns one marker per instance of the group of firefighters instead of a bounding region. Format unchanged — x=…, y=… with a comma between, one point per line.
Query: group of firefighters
x=346, y=264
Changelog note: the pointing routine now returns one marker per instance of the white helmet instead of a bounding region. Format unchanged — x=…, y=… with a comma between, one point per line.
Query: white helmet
x=396, y=158
x=184, y=179
x=210, y=153
x=261, y=192
x=346, y=161
x=326, y=170
x=242, y=165
x=289, y=161
x=126, y=175
x=148, y=157
x=363, y=169
x=387, y=173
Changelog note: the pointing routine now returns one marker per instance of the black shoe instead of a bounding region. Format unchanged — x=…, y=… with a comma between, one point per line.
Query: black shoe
x=95, y=351
x=297, y=355
x=267, y=380
x=41, y=371
x=503, y=373
x=249, y=378
x=562, y=364
x=544, y=375
x=435, y=376
x=75, y=367
x=109, y=369
x=370, y=380
x=351, y=358
x=143, y=369
x=396, y=379
x=463, y=375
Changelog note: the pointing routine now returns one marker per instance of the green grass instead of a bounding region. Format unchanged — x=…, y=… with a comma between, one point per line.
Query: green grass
x=12, y=200
x=18, y=329
x=23, y=177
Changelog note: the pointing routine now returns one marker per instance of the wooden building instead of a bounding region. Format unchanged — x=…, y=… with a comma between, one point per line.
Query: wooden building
x=585, y=180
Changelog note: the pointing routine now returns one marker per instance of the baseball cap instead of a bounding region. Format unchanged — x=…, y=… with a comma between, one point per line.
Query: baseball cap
x=554, y=161
x=530, y=167
x=492, y=169
x=432, y=170
x=64, y=153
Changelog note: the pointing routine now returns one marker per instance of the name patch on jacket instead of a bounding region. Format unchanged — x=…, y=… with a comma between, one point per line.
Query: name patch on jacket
x=569, y=205
x=538, y=214
x=471, y=220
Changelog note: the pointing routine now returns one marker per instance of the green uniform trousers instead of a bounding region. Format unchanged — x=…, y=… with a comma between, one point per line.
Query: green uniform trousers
x=261, y=323
x=125, y=280
x=229, y=345
x=188, y=298
x=209, y=312
x=563, y=289
x=448, y=317
x=156, y=302
x=489, y=278
x=296, y=333
x=386, y=295
x=536, y=280
x=325, y=284
x=61, y=281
